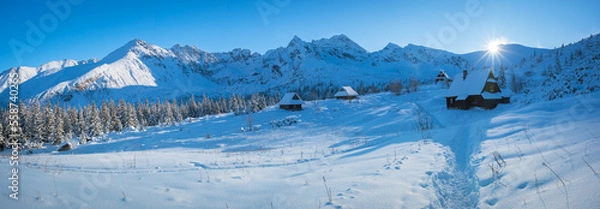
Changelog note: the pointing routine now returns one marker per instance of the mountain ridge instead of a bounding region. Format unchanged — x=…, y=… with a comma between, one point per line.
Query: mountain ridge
x=182, y=71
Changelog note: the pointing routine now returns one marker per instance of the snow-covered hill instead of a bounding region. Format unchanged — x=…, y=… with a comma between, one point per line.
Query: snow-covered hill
x=371, y=153
x=572, y=69
x=140, y=70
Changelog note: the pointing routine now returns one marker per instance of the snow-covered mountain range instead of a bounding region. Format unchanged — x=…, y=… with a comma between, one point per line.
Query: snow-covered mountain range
x=140, y=70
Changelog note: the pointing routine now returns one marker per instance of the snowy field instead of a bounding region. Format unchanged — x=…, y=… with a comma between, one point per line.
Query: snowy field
x=382, y=151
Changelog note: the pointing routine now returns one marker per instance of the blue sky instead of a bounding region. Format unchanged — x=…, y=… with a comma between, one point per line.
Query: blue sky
x=93, y=28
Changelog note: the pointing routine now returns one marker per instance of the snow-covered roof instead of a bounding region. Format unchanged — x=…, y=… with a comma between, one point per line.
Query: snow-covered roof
x=291, y=99
x=443, y=74
x=346, y=91
x=472, y=85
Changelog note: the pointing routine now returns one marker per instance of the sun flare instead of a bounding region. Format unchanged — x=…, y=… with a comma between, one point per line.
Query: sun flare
x=494, y=47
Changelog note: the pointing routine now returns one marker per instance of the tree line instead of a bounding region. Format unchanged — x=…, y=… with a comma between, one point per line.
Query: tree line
x=55, y=124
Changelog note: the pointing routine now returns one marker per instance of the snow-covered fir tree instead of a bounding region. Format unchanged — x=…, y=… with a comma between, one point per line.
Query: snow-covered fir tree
x=106, y=118
x=94, y=123
x=49, y=128
x=59, y=130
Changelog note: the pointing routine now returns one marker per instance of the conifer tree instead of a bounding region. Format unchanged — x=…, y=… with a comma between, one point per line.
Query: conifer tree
x=193, y=108
x=70, y=119
x=81, y=127
x=94, y=128
x=207, y=106
x=132, y=121
x=3, y=142
x=502, y=77
x=167, y=113
x=140, y=115
x=74, y=121
x=37, y=123
x=59, y=130
x=184, y=110
x=153, y=117
x=116, y=123
x=254, y=103
x=48, y=129
x=176, y=110
x=106, y=118
x=122, y=111
x=236, y=104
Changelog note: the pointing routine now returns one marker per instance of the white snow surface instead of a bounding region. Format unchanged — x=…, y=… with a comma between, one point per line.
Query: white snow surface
x=370, y=152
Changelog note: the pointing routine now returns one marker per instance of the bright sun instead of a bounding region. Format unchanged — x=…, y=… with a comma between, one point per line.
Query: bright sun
x=494, y=47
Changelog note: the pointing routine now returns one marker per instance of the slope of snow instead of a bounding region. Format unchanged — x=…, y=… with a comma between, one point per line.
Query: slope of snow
x=373, y=153
x=547, y=156
x=570, y=70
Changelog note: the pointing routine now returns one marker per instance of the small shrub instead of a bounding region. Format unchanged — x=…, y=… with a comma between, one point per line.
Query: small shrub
x=291, y=120
x=396, y=87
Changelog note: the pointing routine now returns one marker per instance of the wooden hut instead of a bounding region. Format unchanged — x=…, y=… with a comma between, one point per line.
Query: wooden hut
x=475, y=89
x=291, y=101
x=443, y=77
x=346, y=93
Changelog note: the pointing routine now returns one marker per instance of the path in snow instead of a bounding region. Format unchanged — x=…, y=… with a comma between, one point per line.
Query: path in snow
x=457, y=186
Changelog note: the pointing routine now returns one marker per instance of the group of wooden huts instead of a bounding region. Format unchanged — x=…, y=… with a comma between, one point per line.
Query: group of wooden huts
x=292, y=101
x=467, y=90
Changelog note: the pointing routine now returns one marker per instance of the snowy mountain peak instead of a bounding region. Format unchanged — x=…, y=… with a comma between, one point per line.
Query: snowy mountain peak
x=135, y=43
x=413, y=47
x=179, y=47
x=338, y=41
x=296, y=41
x=342, y=47
x=341, y=37
x=391, y=47
x=137, y=47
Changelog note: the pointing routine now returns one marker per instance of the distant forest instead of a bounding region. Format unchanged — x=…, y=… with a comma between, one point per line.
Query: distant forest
x=53, y=123
x=49, y=123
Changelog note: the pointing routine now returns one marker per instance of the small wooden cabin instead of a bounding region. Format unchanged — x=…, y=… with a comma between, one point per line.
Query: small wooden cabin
x=291, y=101
x=443, y=77
x=346, y=93
x=475, y=89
